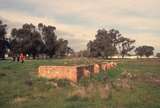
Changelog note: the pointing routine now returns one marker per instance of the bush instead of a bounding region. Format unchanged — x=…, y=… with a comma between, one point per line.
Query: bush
x=102, y=77
x=115, y=72
x=63, y=83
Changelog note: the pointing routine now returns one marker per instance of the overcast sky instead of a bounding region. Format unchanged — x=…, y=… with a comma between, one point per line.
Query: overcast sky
x=78, y=20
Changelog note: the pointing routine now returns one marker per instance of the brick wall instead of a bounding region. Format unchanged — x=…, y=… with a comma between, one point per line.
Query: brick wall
x=58, y=72
x=72, y=73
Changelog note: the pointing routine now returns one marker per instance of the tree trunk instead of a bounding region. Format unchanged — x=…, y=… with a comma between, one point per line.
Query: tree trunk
x=122, y=56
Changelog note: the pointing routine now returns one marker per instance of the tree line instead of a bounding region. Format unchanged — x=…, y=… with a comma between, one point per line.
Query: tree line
x=42, y=40
x=111, y=42
x=33, y=41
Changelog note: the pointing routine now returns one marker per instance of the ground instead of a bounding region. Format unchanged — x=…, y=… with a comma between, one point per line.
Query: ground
x=132, y=84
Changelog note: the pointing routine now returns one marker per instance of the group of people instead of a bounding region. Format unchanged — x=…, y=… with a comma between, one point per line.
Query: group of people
x=20, y=58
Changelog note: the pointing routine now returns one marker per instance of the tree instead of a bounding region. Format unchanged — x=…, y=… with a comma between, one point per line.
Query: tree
x=148, y=50
x=107, y=43
x=69, y=51
x=139, y=51
x=82, y=53
x=125, y=45
x=36, y=45
x=3, y=41
x=158, y=55
x=49, y=38
x=92, y=49
x=61, y=47
x=35, y=41
x=2, y=30
x=144, y=51
x=27, y=40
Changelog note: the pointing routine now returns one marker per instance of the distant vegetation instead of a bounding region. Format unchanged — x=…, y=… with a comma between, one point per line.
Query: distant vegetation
x=158, y=55
x=144, y=51
x=109, y=43
x=35, y=41
x=41, y=40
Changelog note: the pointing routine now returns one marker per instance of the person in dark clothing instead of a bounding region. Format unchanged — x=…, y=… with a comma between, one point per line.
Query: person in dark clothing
x=17, y=58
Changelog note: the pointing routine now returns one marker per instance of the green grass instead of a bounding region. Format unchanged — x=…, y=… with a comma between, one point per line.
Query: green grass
x=21, y=88
x=103, y=76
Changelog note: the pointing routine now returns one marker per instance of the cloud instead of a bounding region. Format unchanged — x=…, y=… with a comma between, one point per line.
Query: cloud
x=78, y=36
x=78, y=20
x=147, y=39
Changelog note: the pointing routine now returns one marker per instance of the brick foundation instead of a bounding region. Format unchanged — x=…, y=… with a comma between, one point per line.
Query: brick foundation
x=58, y=72
x=72, y=73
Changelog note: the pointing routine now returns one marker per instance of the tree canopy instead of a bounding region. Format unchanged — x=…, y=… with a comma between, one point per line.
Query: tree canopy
x=42, y=40
x=158, y=55
x=3, y=41
x=109, y=43
x=38, y=40
x=144, y=51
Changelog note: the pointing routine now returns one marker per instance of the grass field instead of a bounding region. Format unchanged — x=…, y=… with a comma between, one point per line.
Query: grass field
x=133, y=84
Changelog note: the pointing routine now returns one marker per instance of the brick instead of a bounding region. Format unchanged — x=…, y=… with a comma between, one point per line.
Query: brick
x=58, y=72
x=107, y=66
x=72, y=73
x=97, y=68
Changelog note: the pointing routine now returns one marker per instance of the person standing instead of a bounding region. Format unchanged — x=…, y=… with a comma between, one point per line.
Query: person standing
x=21, y=57
x=17, y=56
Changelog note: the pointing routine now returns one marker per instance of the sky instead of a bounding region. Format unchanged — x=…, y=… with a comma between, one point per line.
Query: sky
x=78, y=20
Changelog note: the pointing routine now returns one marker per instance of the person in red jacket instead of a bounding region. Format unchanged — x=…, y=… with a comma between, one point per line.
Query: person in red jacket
x=21, y=57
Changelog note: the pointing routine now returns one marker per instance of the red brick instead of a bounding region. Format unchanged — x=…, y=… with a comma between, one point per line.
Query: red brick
x=72, y=73
x=97, y=68
x=58, y=72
